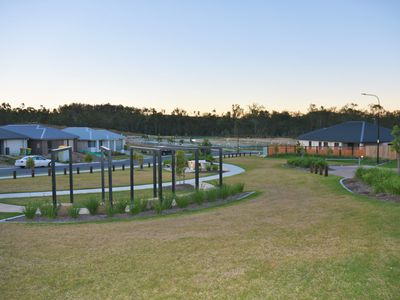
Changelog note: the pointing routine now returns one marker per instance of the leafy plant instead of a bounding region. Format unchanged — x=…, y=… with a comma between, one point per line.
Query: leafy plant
x=180, y=164
x=212, y=194
x=73, y=211
x=92, y=204
x=48, y=210
x=158, y=207
x=382, y=181
x=167, y=201
x=199, y=197
x=182, y=201
x=139, y=206
x=88, y=158
x=30, y=163
x=30, y=210
x=110, y=210
x=120, y=206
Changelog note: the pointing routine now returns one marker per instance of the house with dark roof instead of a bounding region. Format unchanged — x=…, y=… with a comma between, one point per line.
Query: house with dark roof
x=352, y=134
x=11, y=142
x=90, y=140
x=41, y=138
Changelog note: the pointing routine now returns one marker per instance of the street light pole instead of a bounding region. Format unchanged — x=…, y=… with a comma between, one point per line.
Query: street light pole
x=377, y=122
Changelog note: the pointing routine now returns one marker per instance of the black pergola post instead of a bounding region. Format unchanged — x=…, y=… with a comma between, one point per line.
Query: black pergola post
x=132, y=165
x=196, y=168
x=154, y=174
x=160, y=196
x=103, y=193
x=173, y=171
x=220, y=166
x=53, y=175
x=107, y=151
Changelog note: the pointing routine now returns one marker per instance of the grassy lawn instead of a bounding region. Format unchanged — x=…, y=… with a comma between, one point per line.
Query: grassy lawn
x=5, y=215
x=302, y=237
x=83, y=180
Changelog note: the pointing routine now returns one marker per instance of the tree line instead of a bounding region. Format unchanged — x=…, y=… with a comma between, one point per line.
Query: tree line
x=251, y=121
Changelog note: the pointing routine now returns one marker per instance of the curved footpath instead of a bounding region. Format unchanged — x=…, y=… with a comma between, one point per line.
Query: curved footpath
x=231, y=171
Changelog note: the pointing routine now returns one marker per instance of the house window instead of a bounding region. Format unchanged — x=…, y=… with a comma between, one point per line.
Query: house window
x=319, y=144
x=100, y=143
x=91, y=144
x=325, y=144
x=309, y=143
x=336, y=144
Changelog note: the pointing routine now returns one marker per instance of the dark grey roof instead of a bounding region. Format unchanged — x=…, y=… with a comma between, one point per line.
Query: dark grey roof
x=9, y=135
x=349, y=132
x=39, y=132
x=86, y=133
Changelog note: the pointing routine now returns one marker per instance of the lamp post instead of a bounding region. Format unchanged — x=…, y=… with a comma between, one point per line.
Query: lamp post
x=377, y=122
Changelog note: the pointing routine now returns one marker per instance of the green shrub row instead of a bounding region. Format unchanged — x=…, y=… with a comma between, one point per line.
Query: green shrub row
x=307, y=162
x=382, y=181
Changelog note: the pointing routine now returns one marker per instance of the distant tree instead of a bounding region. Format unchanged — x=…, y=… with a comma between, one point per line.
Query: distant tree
x=181, y=164
x=396, y=145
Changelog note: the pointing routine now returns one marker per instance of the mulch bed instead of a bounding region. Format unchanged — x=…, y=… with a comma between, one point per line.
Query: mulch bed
x=144, y=214
x=359, y=187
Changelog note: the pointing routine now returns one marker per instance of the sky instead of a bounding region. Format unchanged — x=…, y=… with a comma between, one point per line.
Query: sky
x=200, y=55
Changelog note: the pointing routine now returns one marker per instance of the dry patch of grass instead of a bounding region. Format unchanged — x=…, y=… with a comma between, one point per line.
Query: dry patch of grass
x=82, y=181
x=301, y=238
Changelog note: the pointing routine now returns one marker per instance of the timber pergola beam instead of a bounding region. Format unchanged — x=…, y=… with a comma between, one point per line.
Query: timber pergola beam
x=53, y=174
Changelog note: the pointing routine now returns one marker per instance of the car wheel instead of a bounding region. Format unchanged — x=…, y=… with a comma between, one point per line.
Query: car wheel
x=49, y=165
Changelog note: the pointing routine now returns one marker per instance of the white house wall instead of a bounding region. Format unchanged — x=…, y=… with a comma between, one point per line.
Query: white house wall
x=316, y=143
x=14, y=146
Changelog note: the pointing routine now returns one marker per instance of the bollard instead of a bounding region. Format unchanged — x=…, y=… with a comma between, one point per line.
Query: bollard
x=321, y=170
x=49, y=172
x=148, y=165
x=244, y=154
x=123, y=167
x=77, y=170
x=250, y=153
x=240, y=154
x=33, y=172
x=15, y=174
x=141, y=166
x=65, y=171
x=91, y=169
x=113, y=168
x=326, y=171
x=315, y=169
x=311, y=169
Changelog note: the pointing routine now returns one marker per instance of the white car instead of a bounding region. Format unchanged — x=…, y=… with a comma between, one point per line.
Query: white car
x=40, y=161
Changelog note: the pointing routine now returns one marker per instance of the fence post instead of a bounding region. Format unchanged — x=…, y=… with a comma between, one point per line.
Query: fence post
x=113, y=168
x=123, y=167
x=65, y=171
x=77, y=170
x=321, y=170
x=33, y=172
x=326, y=170
x=91, y=169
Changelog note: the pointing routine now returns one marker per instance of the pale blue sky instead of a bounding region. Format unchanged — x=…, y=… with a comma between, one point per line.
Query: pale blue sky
x=200, y=55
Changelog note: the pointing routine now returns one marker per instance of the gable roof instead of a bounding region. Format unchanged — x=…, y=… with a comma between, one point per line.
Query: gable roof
x=86, y=133
x=39, y=132
x=9, y=135
x=349, y=132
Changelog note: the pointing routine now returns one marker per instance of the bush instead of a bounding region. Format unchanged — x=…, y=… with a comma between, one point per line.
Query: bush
x=237, y=188
x=73, y=211
x=307, y=162
x=167, y=201
x=198, y=197
x=30, y=163
x=88, y=158
x=224, y=191
x=382, y=181
x=158, y=207
x=47, y=210
x=139, y=206
x=182, y=201
x=30, y=210
x=120, y=206
x=212, y=195
x=92, y=204
x=109, y=210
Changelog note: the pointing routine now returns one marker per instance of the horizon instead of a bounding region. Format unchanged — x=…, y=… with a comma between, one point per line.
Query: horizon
x=200, y=56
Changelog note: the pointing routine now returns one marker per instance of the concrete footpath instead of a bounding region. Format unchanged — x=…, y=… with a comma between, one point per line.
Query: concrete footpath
x=231, y=170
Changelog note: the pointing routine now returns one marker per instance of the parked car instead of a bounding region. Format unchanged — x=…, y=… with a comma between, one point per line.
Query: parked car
x=40, y=161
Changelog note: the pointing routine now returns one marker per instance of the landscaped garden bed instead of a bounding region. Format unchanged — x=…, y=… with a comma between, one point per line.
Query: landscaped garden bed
x=142, y=208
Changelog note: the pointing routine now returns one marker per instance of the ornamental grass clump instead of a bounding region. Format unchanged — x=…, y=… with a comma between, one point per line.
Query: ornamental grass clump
x=167, y=201
x=48, y=210
x=199, y=197
x=382, y=181
x=307, y=162
x=92, y=205
x=158, y=207
x=138, y=206
x=120, y=206
x=73, y=211
x=182, y=201
x=212, y=194
x=30, y=210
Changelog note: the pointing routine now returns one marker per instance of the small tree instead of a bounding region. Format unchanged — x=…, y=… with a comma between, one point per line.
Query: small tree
x=139, y=158
x=396, y=145
x=88, y=158
x=30, y=163
x=180, y=164
x=206, y=143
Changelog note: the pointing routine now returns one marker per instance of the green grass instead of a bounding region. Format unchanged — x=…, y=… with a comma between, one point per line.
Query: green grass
x=381, y=180
x=392, y=164
x=301, y=237
x=5, y=215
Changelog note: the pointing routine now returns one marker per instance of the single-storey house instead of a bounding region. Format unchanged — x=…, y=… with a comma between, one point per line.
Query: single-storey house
x=11, y=142
x=90, y=140
x=352, y=134
x=41, y=138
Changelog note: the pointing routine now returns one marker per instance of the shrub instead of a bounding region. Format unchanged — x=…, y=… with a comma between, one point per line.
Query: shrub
x=167, y=201
x=73, y=211
x=48, y=210
x=88, y=158
x=30, y=210
x=120, y=206
x=182, y=201
x=224, y=191
x=110, y=210
x=382, y=181
x=158, y=207
x=30, y=163
x=139, y=206
x=307, y=162
x=198, y=197
x=212, y=194
x=237, y=188
x=92, y=204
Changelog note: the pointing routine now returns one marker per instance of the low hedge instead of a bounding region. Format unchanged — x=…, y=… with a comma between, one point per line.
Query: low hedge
x=307, y=162
x=382, y=181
